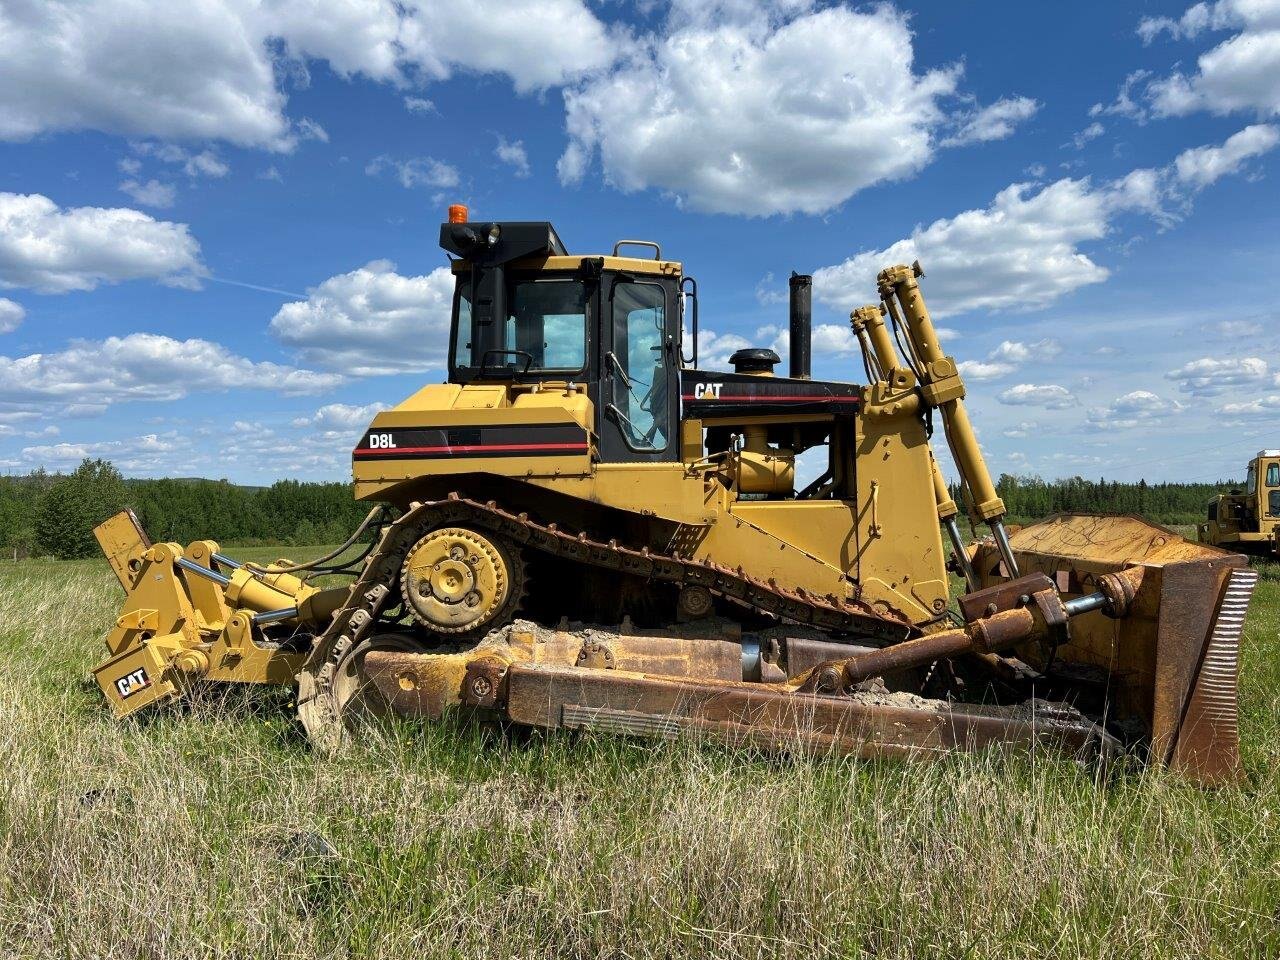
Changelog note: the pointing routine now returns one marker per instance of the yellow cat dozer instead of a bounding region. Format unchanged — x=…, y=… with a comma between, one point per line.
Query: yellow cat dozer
x=582, y=528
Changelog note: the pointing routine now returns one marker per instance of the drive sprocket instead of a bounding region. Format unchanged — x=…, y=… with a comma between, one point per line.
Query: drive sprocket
x=456, y=580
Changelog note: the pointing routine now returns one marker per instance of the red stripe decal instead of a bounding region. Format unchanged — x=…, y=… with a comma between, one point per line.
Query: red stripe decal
x=471, y=448
x=765, y=399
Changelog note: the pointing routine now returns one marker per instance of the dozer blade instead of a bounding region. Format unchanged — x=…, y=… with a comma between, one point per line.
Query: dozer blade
x=1169, y=667
x=613, y=683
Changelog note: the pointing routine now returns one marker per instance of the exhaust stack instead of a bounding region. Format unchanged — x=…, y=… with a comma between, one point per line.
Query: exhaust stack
x=801, y=324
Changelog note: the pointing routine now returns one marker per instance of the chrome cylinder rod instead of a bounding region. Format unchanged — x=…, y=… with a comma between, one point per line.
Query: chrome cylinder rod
x=962, y=555
x=1006, y=550
x=1086, y=604
x=227, y=561
x=192, y=567
x=272, y=616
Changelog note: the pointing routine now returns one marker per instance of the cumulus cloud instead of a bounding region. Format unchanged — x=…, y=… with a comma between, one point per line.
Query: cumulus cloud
x=1209, y=376
x=995, y=122
x=1092, y=132
x=1023, y=251
x=340, y=418
x=214, y=70
x=1268, y=407
x=415, y=172
x=205, y=164
x=1201, y=166
x=1138, y=408
x=715, y=349
x=149, y=453
x=984, y=369
x=1239, y=328
x=829, y=340
x=1007, y=357
x=419, y=105
x=1051, y=396
x=1195, y=21
x=1126, y=103
x=1020, y=430
x=54, y=250
x=1242, y=73
x=92, y=374
x=11, y=315
x=153, y=193
x=715, y=111
x=371, y=321
x=513, y=155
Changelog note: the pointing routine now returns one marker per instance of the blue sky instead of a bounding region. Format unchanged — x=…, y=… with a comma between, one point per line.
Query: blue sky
x=218, y=220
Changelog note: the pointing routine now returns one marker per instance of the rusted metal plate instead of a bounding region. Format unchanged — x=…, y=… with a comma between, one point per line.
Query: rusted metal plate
x=1001, y=596
x=776, y=720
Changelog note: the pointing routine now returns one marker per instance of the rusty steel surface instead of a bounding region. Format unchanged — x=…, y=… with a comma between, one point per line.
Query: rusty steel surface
x=900, y=656
x=426, y=684
x=779, y=720
x=1208, y=743
x=1171, y=658
x=804, y=653
x=1042, y=618
x=1001, y=596
x=1194, y=729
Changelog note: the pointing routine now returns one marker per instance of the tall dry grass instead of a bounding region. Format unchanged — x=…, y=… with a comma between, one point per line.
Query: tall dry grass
x=215, y=832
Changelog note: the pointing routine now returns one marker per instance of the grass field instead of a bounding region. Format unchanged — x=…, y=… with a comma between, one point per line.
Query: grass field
x=188, y=835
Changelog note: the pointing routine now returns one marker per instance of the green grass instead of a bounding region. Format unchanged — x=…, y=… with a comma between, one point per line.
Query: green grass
x=178, y=835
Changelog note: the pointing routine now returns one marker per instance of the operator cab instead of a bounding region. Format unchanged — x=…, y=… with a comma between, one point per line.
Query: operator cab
x=529, y=314
x=525, y=312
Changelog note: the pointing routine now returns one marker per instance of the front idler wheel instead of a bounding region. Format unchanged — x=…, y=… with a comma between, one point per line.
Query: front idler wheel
x=355, y=697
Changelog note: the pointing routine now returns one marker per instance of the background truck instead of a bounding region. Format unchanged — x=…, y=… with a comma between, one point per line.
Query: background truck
x=1248, y=520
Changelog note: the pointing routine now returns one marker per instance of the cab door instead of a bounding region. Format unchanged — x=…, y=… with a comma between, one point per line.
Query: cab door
x=639, y=404
x=1270, y=490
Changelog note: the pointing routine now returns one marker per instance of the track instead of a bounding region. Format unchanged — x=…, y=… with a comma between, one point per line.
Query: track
x=375, y=591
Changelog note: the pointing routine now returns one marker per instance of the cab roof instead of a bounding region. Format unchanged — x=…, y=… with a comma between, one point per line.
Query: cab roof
x=533, y=245
x=574, y=262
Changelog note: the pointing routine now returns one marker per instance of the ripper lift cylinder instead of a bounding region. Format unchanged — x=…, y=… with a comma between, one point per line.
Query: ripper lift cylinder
x=801, y=325
x=943, y=388
x=868, y=324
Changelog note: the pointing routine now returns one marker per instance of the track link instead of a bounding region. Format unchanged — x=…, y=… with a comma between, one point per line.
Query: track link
x=373, y=591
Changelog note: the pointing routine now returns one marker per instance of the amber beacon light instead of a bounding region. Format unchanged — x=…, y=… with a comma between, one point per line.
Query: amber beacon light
x=457, y=213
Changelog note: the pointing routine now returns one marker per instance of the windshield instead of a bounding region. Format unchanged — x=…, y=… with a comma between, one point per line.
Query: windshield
x=545, y=329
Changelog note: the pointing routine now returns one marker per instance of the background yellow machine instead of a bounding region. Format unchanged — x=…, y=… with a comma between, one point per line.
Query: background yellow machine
x=581, y=528
x=1249, y=519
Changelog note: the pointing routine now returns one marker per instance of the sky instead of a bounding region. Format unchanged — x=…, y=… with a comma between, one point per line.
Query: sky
x=219, y=219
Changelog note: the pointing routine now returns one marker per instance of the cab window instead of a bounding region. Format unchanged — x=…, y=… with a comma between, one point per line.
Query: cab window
x=1273, y=475
x=1251, y=483
x=545, y=329
x=638, y=362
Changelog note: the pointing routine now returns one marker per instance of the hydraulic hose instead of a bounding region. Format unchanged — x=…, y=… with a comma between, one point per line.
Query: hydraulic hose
x=377, y=511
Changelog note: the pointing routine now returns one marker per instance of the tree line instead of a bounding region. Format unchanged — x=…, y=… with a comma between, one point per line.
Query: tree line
x=54, y=514
x=43, y=514
x=1030, y=497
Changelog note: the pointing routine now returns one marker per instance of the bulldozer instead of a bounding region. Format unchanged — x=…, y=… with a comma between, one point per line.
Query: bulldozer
x=1248, y=520
x=583, y=528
